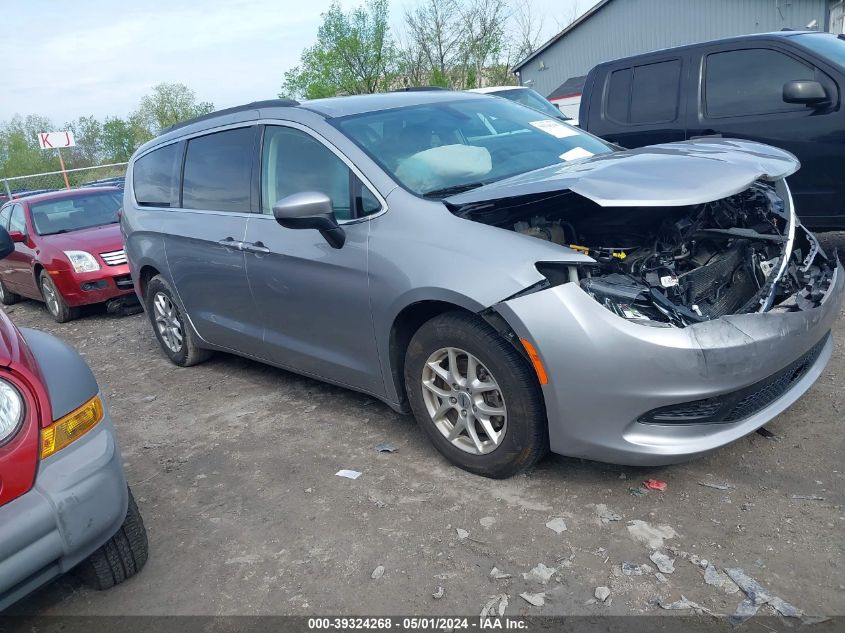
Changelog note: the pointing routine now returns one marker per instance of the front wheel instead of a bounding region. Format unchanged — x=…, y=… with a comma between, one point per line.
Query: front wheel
x=7, y=297
x=56, y=306
x=475, y=396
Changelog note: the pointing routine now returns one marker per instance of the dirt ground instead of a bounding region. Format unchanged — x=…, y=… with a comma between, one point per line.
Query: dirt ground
x=233, y=466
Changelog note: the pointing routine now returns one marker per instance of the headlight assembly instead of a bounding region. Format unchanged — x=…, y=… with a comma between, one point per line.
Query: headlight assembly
x=11, y=411
x=82, y=261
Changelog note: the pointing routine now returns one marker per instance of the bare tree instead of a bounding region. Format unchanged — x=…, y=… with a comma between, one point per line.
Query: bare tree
x=435, y=28
x=527, y=29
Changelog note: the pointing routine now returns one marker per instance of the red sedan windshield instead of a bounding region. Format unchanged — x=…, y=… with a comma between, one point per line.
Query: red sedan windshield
x=79, y=212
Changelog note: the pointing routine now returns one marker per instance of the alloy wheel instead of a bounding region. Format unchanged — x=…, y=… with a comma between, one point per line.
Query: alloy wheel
x=51, y=297
x=464, y=401
x=167, y=321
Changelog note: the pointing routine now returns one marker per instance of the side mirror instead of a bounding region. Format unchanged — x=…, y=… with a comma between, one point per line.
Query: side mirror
x=7, y=245
x=17, y=236
x=810, y=93
x=310, y=210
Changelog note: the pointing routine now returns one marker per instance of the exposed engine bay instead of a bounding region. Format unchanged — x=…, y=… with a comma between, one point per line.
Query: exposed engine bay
x=675, y=266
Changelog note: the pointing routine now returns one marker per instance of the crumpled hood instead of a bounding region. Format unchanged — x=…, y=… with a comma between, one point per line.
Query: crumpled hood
x=667, y=175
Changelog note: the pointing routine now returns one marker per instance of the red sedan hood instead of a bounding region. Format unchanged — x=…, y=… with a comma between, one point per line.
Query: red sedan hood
x=98, y=239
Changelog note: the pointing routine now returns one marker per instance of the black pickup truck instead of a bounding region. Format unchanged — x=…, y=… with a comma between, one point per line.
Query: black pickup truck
x=784, y=89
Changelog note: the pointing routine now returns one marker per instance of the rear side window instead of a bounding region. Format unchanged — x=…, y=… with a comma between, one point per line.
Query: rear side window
x=644, y=94
x=217, y=171
x=750, y=81
x=654, y=94
x=5, y=212
x=155, y=177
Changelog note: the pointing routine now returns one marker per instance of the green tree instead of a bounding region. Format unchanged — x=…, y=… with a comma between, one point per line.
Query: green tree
x=19, y=151
x=120, y=139
x=87, y=133
x=354, y=54
x=168, y=103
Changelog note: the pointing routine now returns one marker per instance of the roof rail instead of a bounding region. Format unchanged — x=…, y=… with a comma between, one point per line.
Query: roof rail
x=267, y=103
x=418, y=89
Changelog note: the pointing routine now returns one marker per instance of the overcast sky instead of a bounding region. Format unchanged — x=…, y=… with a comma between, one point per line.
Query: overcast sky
x=69, y=59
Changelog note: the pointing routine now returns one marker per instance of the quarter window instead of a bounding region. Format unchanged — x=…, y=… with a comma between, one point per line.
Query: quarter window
x=644, y=94
x=750, y=81
x=217, y=171
x=294, y=162
x=5, y=212
x=155, y=177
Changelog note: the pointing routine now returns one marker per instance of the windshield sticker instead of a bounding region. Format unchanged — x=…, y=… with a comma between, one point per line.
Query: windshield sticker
x=575, y=153
x=558, y=130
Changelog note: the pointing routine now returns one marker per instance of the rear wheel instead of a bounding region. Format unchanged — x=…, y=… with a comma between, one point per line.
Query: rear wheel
x=122, y=556
x=7, y=297
x=56, y=306
x=475, y=396
x=176, y=338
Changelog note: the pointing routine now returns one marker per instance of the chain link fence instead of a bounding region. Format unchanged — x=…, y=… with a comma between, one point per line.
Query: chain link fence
x=101, y=175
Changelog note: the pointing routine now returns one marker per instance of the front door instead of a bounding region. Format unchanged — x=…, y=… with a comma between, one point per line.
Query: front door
x=313, y=299
x=18, y=266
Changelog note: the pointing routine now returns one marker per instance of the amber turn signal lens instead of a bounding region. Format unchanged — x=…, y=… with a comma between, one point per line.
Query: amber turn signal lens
x=71, y=427
x=542, y=376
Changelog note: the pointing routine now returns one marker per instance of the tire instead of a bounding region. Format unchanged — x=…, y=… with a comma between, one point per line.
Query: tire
x=122, y=556
x=56, y=306
x=187, y=352
x=7, y=297
x=523, y=432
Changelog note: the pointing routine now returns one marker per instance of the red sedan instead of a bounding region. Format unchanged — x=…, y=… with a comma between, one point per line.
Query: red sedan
x=68, y=251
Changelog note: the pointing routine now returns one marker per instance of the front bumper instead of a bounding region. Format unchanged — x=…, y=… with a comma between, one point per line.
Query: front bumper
x=605, y=372
x=78, y=289
x=78, y=502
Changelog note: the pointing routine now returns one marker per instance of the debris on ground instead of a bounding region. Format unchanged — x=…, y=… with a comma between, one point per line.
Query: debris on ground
x=462, y=534
x=498, y=574
x=349, y=474
x=605, y=515
x=768, y=434
x=632, y=569
x=439, y=593
x=718, y=578
x=386, y=447
x=651, y=535
x=602, y=593
x=661, y=578
x=639, y=491
x=664, y=563
x=540, y=574
x=149, y=398
x=745, y=610
x=557, y=525
x=495, y=606
x=655, y=484
x=379, y=503
x=683, y=603
x=808, y=497
x=707, y=484
x=378, y=572
x=759, y=596
x=487, y=522
x=534, y=599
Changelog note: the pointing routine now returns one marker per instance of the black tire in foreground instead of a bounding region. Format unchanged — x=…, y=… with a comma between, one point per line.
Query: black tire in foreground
x=56, y=306
x=167, y=316
x=7, y=297
x=525, y=438
x=121, y=557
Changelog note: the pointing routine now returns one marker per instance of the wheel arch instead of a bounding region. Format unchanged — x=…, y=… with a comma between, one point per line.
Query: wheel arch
x=147, y=272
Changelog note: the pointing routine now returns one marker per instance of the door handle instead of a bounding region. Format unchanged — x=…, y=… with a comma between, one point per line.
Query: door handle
x=231, y=243
x=255, y=247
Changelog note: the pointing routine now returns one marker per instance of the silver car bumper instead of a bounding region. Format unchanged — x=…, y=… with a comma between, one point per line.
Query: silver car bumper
x=78, y=502
x=606, y=373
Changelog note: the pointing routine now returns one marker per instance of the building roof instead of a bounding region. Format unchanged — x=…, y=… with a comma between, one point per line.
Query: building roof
x=569, y=88
x=584, y=17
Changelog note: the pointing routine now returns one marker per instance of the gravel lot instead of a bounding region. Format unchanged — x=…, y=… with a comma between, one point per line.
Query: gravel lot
x=233, y=466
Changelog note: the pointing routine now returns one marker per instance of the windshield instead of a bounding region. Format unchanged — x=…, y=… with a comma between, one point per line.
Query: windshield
x=72, y=214
x=828, y=46
x=527, y=97
x=438, y=149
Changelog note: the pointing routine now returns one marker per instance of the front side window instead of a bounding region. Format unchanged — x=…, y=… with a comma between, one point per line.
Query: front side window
x=295, y=162
x=218, y=170
x=750, y=81
x=17, y=221
x=437, y=149
x=76, y=213
x=155, y=177
x=5, y=212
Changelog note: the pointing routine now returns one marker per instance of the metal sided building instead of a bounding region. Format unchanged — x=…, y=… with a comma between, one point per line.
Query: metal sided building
x=619, y=28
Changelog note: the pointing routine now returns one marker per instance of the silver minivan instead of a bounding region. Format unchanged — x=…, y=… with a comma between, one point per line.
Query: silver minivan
x=518, y=284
